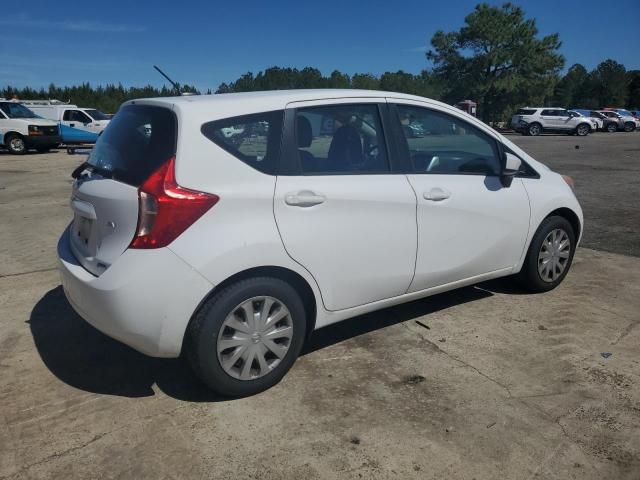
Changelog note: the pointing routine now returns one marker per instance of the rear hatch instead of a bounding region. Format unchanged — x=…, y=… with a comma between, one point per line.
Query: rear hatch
x=105, y=200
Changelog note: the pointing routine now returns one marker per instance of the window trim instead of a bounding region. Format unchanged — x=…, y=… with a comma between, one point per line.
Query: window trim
x=404, y=145
x=290, y=162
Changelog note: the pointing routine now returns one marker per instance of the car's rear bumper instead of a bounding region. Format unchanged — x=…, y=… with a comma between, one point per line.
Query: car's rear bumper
x=145, y=299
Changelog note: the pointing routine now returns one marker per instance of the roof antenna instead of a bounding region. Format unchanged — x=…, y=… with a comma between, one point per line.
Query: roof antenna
x=175, y=85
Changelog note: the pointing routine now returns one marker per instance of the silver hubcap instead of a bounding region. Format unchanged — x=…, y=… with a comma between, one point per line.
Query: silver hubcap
x=17, y=144
x=254, y=338
x=582, y=130
x=534, y=130
x=554, y=255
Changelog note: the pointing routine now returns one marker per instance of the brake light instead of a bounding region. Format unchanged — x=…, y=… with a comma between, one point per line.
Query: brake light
x=166, y=209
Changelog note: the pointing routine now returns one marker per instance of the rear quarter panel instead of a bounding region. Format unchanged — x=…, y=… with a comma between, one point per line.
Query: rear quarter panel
x=239, y=232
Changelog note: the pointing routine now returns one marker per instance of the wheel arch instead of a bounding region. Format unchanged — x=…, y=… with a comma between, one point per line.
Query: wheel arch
x=570, y=216
x=293, y=278
x=11, y=133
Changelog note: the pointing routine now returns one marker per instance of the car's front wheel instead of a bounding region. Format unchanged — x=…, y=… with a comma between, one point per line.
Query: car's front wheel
x=550, y=255
x=612, y=127
x=583, y=129
x=629, y=127
x=15, y=144
x=247, y=336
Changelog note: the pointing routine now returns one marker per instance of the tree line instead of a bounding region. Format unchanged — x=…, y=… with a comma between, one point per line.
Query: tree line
x=497, y=59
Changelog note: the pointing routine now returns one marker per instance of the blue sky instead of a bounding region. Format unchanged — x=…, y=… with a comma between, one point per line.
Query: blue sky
x=206, y=43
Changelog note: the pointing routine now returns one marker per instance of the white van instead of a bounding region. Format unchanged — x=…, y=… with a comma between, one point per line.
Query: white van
x=21, y=129
x=77, y=124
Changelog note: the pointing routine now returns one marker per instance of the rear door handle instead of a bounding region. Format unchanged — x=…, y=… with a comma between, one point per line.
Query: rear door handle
x=436, y=194
x=304, y=198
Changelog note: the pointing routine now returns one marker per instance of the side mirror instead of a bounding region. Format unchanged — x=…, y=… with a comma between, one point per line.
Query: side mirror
x=511, y=168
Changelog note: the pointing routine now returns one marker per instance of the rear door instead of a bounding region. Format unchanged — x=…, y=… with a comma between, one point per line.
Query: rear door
x=341, y=211
x=139, y=139
x=549, y=119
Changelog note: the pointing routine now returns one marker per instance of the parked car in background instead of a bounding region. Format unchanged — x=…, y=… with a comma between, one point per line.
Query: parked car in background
x=21, y=129
x=77, y=125
x=608, y=124
x=626, y=123
x=628, y=115
x=536, y=120
x=184, y=241
x=598, y=123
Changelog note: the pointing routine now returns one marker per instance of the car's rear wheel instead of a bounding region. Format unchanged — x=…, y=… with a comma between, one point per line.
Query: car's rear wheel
x=550, y=255
x=612, y=127
x=629, y=127
x=247, y=336
x=583, y=129
x=534, y=129
x=15, y=144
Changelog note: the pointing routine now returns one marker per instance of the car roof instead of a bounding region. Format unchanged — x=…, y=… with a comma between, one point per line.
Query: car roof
x=274, y=99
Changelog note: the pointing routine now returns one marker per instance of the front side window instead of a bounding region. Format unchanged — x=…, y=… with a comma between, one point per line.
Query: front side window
x=97, y=114
x=75, y=116
x=442, y=144
x=341, y=139
x=254, y=139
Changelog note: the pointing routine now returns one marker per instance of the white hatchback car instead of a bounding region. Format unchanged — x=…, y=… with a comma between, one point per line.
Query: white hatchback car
x=233, y=249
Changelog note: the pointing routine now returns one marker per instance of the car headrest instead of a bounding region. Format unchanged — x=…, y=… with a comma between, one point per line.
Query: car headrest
x=304, y=132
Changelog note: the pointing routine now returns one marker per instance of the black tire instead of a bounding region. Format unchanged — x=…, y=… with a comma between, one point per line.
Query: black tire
x=202, y=335
x=612, y=127
x=529, y=277
x=534, y=129
x=15, y=144
x=629, y=127
x=583, y=130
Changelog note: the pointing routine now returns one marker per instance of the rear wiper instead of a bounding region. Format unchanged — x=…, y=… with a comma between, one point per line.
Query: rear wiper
x=79, y=169
x=103, y=172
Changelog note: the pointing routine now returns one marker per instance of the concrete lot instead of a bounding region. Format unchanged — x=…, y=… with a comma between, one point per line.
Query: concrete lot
x=484, y=382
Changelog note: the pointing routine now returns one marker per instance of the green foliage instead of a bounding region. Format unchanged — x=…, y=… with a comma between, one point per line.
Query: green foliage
x=633, y=100
x=497, y=59
x=107, y=99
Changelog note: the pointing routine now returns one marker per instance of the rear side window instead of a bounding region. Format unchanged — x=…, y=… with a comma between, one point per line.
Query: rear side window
x=341, y=139
x=138, y=140
x=254, y=139
x=526, y=111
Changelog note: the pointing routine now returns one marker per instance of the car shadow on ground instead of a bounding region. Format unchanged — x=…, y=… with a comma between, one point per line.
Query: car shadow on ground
x=84, y=358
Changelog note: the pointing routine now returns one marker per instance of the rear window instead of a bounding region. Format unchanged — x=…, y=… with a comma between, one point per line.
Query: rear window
x=253, y=139
x=138, y=140
x=526, y=111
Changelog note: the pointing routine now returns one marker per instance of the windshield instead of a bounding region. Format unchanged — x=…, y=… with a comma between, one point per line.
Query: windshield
x=15, y=110
x=96, y=114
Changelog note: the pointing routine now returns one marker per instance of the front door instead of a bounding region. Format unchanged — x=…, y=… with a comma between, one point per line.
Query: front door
x=342, y=214
x=468, y=223
x=75, y=127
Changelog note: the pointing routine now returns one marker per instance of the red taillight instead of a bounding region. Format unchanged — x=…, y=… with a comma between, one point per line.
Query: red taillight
x=167, y=209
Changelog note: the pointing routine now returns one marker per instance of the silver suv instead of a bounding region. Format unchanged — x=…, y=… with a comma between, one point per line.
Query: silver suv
x=536, y=120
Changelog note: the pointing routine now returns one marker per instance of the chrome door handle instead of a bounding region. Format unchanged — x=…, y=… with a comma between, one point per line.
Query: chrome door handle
x=436, y=194
x=304, y=198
